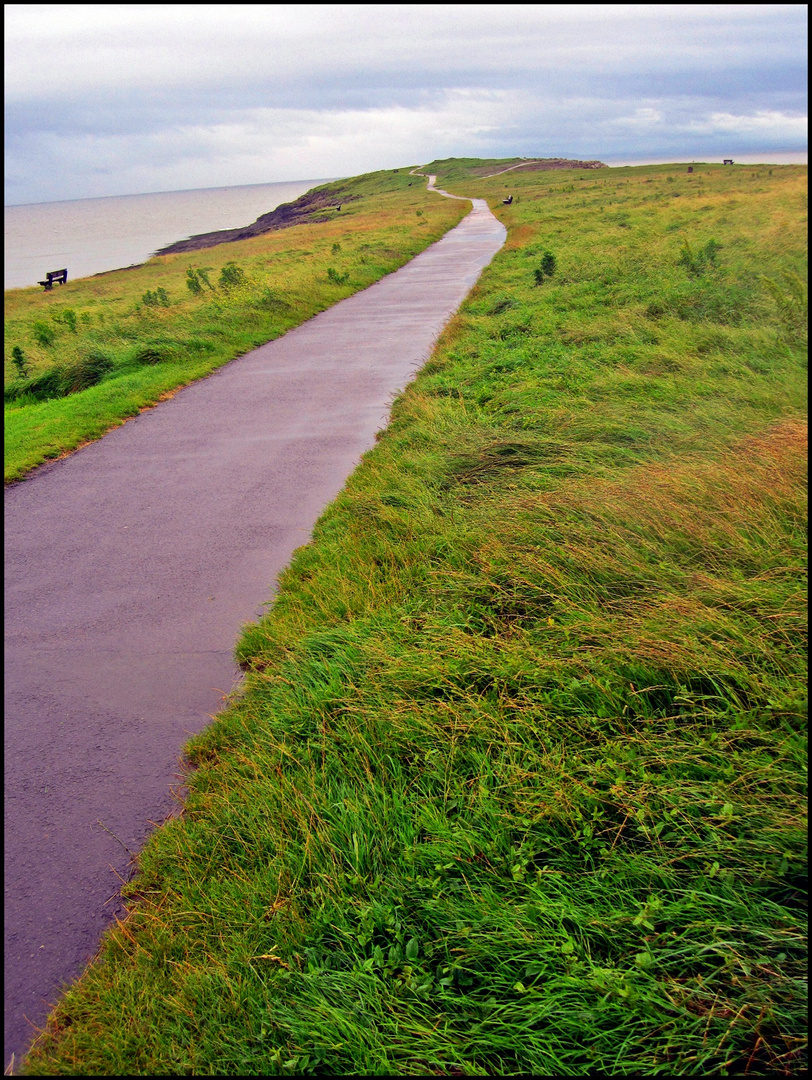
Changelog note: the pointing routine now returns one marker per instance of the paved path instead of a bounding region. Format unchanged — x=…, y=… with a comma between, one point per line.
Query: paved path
x=131, y=565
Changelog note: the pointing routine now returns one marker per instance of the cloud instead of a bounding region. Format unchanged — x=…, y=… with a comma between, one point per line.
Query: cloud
x=777, y=127
x=167, y=96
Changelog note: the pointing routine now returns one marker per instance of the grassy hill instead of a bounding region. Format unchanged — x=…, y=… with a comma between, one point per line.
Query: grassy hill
x=516, y=782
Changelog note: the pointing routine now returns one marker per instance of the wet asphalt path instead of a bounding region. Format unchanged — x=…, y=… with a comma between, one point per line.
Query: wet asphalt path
x=130, y=567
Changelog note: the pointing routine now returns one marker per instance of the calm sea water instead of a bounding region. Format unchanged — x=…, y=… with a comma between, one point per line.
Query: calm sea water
x=89, y=236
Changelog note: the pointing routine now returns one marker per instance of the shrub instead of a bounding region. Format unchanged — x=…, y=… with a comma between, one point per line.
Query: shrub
x=66, y=316
x=696, y=263
x=193, y=282
x=43, y=333
x=19, y=361
x=547, y=268
x=158, y=298
x=231, y=275
x=336, y=278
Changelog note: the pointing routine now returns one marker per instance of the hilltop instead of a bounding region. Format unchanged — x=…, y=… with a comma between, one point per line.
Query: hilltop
x=321, y=203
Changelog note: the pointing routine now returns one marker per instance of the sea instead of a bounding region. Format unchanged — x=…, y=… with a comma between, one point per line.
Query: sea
x=91, y=236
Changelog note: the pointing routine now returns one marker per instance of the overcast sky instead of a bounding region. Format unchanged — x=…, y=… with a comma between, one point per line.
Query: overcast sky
x=119, y=99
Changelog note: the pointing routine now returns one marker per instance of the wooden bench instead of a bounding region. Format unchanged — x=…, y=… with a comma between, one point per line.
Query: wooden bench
x=728, y=161
x=507, y=202
x=58, y=276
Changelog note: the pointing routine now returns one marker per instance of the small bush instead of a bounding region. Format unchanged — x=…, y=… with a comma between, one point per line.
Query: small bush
x=193, y=282
x=159, y=298
x=231, y=275
x=696, y=263
x=43, y=333
x=66, y=316
x=19, y=361
x=547, y=268
x=335, y=277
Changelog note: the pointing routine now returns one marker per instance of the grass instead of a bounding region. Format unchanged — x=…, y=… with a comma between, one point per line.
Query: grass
x=516, y=780
x=99, y=350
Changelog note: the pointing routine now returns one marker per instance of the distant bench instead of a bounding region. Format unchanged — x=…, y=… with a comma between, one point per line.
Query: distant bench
x=58, y=276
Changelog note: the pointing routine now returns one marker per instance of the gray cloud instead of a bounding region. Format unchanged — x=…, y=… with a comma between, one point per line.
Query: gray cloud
x=166, y=96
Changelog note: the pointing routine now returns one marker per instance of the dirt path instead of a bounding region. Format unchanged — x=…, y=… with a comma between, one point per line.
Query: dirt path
x=131, y=565
x=521, y=165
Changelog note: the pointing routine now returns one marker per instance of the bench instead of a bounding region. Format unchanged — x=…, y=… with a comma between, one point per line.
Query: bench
x=728, y=161
x=507, y=202
x=58, y=276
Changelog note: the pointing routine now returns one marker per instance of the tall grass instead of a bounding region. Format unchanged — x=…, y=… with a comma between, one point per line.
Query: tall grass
x=516, y=780
x=98, y=350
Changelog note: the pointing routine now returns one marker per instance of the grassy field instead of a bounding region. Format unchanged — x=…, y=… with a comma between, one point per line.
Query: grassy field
x=96, y=351
x=516, y=781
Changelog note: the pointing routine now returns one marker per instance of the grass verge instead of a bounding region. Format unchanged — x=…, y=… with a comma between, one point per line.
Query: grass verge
x=90, y=354
x=516, y=781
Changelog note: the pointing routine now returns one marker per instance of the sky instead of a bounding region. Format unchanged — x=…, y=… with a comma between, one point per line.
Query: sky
x=115, y=99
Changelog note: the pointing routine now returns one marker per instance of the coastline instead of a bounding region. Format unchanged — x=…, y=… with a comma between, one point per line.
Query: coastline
x=318, y=204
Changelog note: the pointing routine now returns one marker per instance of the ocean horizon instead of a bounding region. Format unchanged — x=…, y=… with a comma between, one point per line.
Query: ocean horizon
x=94, y=236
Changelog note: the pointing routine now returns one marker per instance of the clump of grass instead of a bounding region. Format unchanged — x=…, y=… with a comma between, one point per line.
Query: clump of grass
x=516, y=782
x=61, y=380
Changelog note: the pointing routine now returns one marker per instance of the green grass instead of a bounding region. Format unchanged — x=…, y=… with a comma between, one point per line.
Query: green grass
x=154, y=335
x=516, y=780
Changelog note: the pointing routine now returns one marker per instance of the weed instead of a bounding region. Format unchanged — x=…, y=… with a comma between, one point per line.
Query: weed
x=20, y=363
